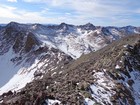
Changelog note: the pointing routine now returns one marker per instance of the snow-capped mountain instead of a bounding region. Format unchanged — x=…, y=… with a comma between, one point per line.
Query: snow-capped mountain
x=76, y=40
x=32, y=52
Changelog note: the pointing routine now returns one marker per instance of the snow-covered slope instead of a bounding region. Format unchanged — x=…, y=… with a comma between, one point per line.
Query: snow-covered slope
x=7, y=67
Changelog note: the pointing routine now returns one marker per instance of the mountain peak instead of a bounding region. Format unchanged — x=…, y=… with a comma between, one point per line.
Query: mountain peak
x=63, y=23
x=12, y=24
x=63, y=26
x=17, y=26
x=88, y=26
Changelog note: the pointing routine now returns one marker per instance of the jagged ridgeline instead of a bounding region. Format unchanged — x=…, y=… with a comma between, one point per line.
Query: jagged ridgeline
x=109, y=76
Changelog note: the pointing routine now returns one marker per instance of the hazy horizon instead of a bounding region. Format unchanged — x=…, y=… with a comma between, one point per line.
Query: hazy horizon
x=4, y=24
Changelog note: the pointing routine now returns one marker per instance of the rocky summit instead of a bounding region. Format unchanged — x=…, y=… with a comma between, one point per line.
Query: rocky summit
x=69, y=65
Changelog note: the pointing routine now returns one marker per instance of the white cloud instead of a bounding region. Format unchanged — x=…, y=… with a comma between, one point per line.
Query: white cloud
x=12, y=0
x=68, y=13
x=98, y=12
x=7, y=11
x=88, y=8
x=14, y=14
x=39, y=1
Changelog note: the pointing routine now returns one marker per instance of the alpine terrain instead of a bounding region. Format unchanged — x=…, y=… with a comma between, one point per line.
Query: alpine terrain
x=69, y=65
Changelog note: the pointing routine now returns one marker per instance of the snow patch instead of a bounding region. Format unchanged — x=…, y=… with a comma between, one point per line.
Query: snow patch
x=89, y=101
x=101, y=89
x=117, y=67
x=52, y=102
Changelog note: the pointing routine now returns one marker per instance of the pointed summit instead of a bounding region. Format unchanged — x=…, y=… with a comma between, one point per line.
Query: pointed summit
x=63, y=26
x=88, y=26
x=13, y=24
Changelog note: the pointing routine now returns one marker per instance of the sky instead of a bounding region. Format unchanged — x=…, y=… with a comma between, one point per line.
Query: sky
x=97, y=12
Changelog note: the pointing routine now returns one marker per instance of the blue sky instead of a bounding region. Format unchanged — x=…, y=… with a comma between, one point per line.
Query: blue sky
x=98, y=12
